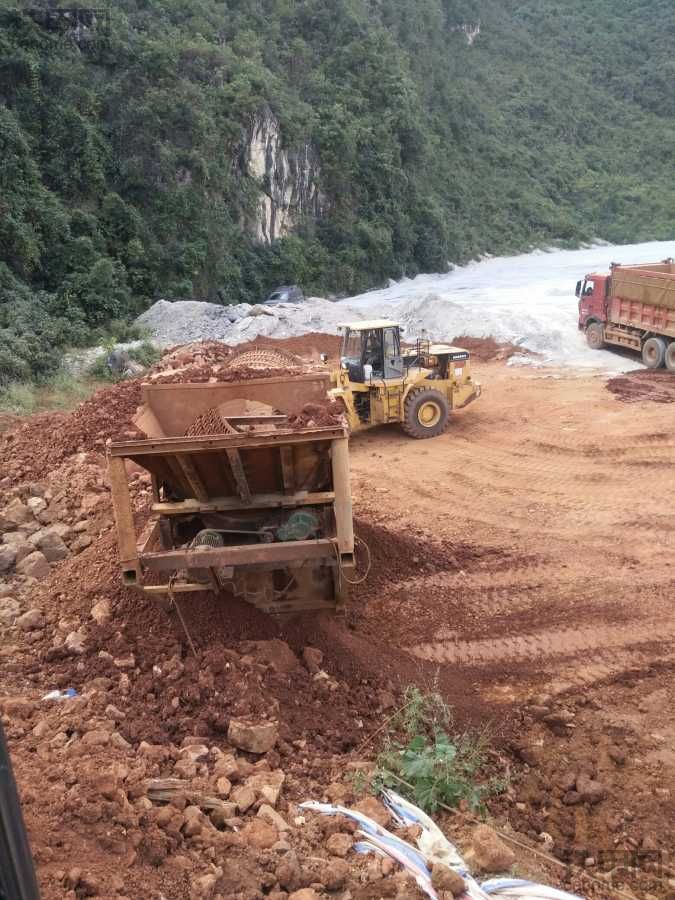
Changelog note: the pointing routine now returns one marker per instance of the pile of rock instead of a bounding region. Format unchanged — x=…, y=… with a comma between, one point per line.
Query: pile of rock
x=44, y=523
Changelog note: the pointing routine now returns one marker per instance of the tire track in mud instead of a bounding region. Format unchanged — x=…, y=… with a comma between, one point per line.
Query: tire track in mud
x=544, y=645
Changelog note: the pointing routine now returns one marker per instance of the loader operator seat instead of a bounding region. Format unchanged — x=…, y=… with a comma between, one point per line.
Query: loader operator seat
x=373, y=351
x=362, y=348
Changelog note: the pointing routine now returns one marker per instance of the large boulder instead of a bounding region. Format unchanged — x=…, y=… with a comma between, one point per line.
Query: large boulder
x=35, y=565
x=375, y=810
x=254, y=737
x=51, y=544
x=14, y=537
x=36, y=505
x=491, y=853
x=9, y=610
x=75, y=643
x=443, y=878
x=589, y=790
x=274, y=653
x=313, y=659
x=267, y=785
x=101, y=611
x=31, y=620
x=22, y=549
x=7, y=557
x=259, y=834
x=17, y=513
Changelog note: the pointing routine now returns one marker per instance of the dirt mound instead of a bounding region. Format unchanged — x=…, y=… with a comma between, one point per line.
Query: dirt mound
x=213, y=374
x=643, y=385
x=505, y=544
x=488, y=349
x=41, y=442
x=44, y=441
x=581, y=751
x=265, y=357
x=308, y=346
x=319, y=415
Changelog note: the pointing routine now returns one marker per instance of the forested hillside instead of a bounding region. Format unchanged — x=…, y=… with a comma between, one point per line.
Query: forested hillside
x=127, y=171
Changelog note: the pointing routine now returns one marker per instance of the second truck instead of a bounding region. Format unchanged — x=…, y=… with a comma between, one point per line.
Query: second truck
x=631, y=307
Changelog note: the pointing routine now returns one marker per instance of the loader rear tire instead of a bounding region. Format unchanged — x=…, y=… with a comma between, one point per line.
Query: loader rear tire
x=670, y=357
x=654, y=352
x=595, y=336
x=425, y=414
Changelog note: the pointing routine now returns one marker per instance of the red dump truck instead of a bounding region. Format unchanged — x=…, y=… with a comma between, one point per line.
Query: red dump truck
x=633, y=307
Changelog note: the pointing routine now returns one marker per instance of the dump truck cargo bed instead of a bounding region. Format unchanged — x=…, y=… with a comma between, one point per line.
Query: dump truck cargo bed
x=652, y=284
x=643, y=298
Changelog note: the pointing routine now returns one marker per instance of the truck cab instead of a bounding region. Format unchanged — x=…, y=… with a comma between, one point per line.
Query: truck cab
x=592, y=294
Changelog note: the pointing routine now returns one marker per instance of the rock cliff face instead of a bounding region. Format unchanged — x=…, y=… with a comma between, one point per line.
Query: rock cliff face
x=287, y=179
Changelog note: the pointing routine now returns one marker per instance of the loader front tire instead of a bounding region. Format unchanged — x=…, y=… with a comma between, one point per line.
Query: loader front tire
x=425, y=414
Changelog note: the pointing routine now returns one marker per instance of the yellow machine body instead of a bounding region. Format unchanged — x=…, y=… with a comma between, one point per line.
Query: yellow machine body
x=418, y=386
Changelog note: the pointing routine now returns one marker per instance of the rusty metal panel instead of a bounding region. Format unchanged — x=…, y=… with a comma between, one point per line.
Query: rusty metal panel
x=645, y=316
x=263, y=468
x=171, y=408
x=244, y=555
x=279, y=469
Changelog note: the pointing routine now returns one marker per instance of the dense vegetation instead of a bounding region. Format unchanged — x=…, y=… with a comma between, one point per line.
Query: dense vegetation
x=119, y=181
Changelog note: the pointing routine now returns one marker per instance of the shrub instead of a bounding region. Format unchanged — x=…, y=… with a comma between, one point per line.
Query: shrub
x=425, y=761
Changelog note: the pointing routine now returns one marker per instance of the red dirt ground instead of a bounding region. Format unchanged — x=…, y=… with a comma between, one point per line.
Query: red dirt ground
x=519, y=566
x=644, y=384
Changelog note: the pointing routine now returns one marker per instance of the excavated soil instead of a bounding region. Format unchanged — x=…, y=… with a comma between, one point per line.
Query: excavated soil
x=308, y=346
x=651, y=385
x=326, y=414
x=518, y=563
x=488, y=349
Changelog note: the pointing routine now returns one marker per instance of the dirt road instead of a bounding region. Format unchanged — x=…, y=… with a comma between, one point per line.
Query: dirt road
x=564, y=490
x=540, y=575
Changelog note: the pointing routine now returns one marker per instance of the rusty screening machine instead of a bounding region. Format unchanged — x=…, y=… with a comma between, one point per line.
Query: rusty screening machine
x=262, y=511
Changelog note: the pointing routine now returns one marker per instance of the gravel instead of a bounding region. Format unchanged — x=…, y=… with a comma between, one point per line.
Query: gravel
x=184, y=321
x=78, y=362
x=526, y=300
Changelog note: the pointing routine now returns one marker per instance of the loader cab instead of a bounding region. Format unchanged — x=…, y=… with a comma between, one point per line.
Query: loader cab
x=371, y=350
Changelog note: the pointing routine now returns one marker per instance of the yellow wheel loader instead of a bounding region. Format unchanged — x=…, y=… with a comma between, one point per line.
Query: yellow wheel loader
x=417, y=386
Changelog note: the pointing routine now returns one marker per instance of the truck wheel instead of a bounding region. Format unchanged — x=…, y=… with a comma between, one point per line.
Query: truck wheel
x=426, y=413
x=654, y=352
x=670, y=357
x=595, y=336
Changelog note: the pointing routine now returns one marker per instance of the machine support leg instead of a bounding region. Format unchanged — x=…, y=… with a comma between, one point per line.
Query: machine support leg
x=124, y=517
x=343, y=497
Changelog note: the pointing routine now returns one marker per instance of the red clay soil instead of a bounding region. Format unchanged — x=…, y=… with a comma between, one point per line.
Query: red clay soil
x=459, y=559
x=42, y=441
x=309, y=346
x=644, y=384
x=487, y=349
x=209, y=695
x=45, y=440
x=214, y=374
x=327, y=414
